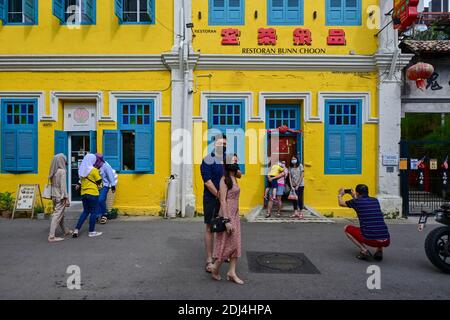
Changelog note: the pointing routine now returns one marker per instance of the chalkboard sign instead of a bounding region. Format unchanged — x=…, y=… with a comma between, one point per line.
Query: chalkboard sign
x=26, y=197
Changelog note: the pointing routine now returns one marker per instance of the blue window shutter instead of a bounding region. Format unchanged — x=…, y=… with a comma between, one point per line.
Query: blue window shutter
x=58, y=10
x=217, y=12
x=294, y=12
x=111, y=149
x=151, y=9
x=30, y=11
x=235, y=12
x=9, y=160
x=334, y=152
x=61, y=143
x=143, y=150
x=26, y=150
x=276, y=11
x=352, y=12
x=352, y=152
x=118, y=9
x=93, y=141
x=3, y=10
x=88, y=15
x=335, y=12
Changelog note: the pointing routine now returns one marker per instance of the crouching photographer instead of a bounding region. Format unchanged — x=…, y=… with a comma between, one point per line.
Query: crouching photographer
x=373, y=231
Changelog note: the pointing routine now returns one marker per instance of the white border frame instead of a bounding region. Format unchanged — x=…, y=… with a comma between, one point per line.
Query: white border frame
x=303, y=96
x=55, y=96
x=39, y=95
x=246, y=96
x=363, y=96
x=155, y=95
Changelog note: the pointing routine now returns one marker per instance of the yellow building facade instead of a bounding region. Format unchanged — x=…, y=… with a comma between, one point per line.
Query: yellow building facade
x=132, y=79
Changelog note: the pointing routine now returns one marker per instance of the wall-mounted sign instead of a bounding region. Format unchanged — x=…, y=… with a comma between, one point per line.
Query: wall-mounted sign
x=433, y=164
x=284, y=51
x=405, y=13
x=390, y=160
x=269, y=37
x=79, y=117
x=414, y=164
x=403, y=164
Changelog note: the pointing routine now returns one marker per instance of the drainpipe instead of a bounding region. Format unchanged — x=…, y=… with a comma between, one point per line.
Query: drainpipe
x=184, y=70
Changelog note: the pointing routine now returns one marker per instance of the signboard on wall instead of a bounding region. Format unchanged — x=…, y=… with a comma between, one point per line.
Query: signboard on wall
x=79, y=116
x=390, y=160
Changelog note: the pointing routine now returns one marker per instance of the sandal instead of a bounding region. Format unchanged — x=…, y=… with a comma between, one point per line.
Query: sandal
x=55, y=239
x=209, y=266
x=268, y=215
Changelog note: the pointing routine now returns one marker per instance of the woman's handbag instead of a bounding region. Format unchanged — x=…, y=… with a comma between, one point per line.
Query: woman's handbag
x=218, y=224
x=47, y=194
x=292, y=195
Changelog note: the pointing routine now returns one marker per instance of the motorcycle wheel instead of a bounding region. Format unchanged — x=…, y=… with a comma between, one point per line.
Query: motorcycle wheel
x=437, y=248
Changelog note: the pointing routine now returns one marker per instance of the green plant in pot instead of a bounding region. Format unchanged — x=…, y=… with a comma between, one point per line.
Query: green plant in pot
x=6, y=204
x=39, y=210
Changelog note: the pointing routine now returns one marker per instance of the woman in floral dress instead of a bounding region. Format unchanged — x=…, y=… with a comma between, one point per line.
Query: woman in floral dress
x=227, y=244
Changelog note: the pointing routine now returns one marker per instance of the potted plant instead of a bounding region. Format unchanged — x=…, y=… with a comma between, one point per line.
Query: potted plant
x=6, y=204
x=39, y=211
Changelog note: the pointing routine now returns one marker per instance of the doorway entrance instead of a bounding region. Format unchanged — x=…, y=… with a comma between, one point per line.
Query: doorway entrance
x=79, y=146
x=284, y=145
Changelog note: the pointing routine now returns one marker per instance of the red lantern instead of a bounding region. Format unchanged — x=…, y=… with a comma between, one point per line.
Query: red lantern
x=419, y=73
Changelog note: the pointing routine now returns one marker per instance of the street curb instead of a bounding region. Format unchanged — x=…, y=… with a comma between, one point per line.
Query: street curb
x=251, y=216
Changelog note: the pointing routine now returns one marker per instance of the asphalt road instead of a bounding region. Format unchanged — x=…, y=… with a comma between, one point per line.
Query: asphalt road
x=160, y=259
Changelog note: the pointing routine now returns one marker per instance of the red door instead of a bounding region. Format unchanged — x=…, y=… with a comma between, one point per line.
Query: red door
x=282, y=148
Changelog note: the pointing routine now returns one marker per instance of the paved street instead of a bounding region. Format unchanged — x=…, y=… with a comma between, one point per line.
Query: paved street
x=161, y=259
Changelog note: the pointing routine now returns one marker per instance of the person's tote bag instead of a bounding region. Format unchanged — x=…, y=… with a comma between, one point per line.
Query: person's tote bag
x=47, y=194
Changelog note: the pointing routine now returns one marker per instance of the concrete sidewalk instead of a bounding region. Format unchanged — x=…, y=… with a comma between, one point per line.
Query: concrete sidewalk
x=163, y=259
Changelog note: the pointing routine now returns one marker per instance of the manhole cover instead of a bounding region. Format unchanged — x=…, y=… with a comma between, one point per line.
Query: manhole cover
x=276, y=262
x=279, y=261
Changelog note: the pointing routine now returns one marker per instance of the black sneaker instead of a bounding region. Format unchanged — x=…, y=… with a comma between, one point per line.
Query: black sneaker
x=364, y=255
x=75, y=234
x=378, y=256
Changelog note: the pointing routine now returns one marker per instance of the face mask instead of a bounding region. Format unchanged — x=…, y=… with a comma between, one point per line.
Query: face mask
x=220, y=150
x=294, y=161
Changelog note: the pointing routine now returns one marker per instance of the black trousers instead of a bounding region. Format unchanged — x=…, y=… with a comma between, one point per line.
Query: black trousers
x=298, y=204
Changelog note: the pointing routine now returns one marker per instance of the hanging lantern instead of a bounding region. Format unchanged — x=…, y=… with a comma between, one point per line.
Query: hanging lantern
x=419, y=73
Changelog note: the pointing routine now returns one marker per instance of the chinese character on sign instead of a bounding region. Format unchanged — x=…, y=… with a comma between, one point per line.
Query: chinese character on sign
x=230, y=37
x=336, y=37
x=432, y=82
x=267, y=36
x=302, y=37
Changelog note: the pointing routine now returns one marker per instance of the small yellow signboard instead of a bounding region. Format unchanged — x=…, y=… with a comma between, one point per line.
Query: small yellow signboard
x=433, y=164
x=403, y=164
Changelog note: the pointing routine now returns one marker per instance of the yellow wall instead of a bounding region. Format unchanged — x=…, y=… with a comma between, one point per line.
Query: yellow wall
x=135, y=193
x=360, y=39
x=320, y=189
x=106, y=36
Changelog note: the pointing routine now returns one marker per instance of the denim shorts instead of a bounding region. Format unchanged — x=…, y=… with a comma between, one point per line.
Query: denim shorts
x=280, y=190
